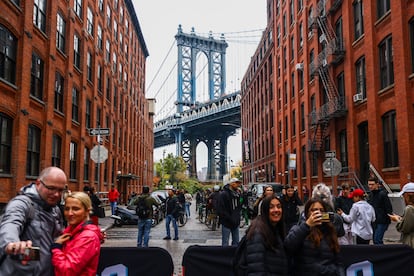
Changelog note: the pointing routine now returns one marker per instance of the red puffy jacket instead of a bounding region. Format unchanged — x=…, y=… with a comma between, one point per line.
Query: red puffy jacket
x=80, y=255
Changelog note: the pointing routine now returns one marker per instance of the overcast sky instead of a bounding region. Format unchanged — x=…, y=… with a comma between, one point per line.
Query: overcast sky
x=237, y=19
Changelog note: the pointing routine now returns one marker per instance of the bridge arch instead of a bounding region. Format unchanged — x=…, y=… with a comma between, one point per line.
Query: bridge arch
x=189, y=45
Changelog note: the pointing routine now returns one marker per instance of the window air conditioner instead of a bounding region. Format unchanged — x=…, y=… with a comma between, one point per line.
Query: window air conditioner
x=357, y=97
x=299, y=66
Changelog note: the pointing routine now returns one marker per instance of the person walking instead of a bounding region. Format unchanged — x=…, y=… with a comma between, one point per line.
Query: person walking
x=378, y=198
x=145, y=222
x=32, y=218
x=77, y=250
x=228, y=209
x=291, y=203
x=344, y=202
x=188, y=200
x=361, y=217
x=265, y=253
x=172, y=212
x=405, y=224
x=113, y=197
x=313, y=244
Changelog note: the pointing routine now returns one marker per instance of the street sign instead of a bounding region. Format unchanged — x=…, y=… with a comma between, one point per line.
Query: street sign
x=330, y=154
x=99, y=154
x=332, y=167
x=99, y=131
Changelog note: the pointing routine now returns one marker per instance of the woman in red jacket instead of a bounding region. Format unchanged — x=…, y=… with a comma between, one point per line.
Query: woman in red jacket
x=76, y=251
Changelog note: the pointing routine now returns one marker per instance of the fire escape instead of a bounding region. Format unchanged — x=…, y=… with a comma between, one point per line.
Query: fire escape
x=332, y=52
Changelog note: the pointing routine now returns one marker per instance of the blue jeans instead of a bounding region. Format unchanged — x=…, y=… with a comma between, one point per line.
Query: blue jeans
x=168, y=219
x=379, y=231
x=187, y=209
x=225, y=236
x=113, y=207
x=144, y=228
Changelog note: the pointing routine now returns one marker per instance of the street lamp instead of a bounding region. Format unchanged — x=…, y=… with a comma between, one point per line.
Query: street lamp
x=251, y=142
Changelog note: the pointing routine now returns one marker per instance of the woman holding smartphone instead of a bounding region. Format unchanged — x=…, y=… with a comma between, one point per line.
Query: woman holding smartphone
x=313, y=244
x=76, y=251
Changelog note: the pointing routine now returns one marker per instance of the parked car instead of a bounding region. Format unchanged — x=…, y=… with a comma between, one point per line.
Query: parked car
x=256, y=189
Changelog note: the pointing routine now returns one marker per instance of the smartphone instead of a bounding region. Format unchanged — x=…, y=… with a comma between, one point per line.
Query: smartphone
x=327, y=217
x=31, y=254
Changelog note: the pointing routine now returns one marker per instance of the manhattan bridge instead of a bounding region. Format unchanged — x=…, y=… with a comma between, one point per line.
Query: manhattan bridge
x=198, y=107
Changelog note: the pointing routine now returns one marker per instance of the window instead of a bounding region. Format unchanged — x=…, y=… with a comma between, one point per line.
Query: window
x=100, y=79
x=100, y=41
x=339, y=34
x=8, y=49
x=59, y=82
x=292, y=85
x=98, y=117
x=108, y=88
x=302, y=117
x=389, y=129
x=75, y=104
x=292, y=11
x=303, y=160
x=88, y=113
x=56, y=150
x=86, y=157
x=33, y=151
x=411, y=30
x=311, y=58
x=294, y=122
x=358, y=19
x=36, y=81
x=340, y=80
x=343, y=149
x=300, y=5
x=360, y=77
x=383, y=6
x=300, y=79
x=115, y=30
x=292, y=47
x=60, y=33
x=89, y=62
x=284, y=24
x=39, y=14
x=108, y=17
x=89, y=23
x=17, y=2
x=76, y=51
x=300, y=34
x=73, y=156
x=78, y=8
x=286, y=128
x=108, y=51
x=101, y=5
x=386, y=62
x=6, y=128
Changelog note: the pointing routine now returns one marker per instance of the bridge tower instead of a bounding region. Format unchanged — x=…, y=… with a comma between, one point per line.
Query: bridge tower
x=189, y=46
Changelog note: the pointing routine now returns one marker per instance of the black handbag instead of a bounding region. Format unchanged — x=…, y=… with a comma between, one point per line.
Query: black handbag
x=100, y=212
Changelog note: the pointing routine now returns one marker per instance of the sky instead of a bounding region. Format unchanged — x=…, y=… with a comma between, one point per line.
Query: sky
x=241, y=22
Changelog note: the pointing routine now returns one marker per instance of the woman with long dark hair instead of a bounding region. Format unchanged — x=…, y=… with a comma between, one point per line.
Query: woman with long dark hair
x=313, y=244
x=265, y=254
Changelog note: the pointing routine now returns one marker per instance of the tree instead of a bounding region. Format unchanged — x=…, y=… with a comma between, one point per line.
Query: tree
x=170, y=170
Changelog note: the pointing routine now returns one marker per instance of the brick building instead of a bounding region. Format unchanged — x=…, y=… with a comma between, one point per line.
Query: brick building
x=332, y=76
x=67, y=67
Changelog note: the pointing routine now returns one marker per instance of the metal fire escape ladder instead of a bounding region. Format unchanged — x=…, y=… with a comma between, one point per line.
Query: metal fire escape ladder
x=334, y=107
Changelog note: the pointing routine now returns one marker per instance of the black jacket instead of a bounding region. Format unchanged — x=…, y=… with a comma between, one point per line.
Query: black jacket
x=290, y=208
x=308, y=260
x=172, y=206
x=229, y=207
x=382, y=206
x=264, y=261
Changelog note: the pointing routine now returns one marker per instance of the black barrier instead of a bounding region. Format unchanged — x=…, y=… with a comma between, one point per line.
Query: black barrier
x=131, y=261
x=363, y=260
x=208, y=260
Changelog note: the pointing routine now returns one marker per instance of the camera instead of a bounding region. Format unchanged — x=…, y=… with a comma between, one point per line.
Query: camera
x=327, y=217
x=31, y=254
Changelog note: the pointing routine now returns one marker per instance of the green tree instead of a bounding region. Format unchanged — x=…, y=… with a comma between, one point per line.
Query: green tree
x=171, y=170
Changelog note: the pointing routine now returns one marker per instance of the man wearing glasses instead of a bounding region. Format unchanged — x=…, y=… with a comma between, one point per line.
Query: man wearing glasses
x=32, y=219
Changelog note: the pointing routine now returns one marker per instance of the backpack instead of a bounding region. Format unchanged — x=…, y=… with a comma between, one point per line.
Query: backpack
x=239, y=259
x=142, y=209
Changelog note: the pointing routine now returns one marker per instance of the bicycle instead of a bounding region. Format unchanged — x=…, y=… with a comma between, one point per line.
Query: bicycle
x=182, y=219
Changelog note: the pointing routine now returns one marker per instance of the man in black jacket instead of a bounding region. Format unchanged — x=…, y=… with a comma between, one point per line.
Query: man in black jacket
x=172, y=211
x=378, y=198
x=229, y=207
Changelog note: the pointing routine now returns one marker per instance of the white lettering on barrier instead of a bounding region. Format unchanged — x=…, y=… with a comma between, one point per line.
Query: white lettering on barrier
x=365, y=267
x=118, y=270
